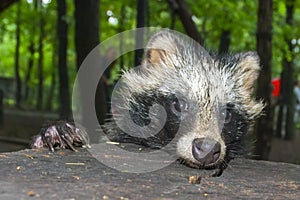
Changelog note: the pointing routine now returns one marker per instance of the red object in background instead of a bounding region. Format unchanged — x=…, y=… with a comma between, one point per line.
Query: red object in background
x=276, y=87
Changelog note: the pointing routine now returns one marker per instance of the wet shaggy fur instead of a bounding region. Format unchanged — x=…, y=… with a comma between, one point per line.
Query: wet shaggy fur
x=181, y=93
x=196, y=105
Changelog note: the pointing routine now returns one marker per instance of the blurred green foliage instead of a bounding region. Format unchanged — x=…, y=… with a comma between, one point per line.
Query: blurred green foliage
x=211, y=17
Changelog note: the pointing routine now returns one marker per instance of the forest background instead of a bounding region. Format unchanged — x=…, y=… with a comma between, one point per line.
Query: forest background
x=43, y=43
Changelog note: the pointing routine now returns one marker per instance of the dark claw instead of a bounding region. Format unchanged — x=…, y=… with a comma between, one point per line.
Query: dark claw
x=68, y=142
x=218, y=173
x=221, y=168
x=49, y=144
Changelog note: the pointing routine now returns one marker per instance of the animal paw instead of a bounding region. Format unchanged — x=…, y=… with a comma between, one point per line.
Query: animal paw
x=60, y=134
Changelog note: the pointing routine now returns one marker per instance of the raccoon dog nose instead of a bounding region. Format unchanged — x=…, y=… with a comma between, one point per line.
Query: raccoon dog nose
x=206, y=151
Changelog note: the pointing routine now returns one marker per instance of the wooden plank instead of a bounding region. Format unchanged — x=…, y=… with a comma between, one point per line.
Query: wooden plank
x=78, y=175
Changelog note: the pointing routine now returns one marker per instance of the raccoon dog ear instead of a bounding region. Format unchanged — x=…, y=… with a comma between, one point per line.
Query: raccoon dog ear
x=160, y=48
x=248, y=67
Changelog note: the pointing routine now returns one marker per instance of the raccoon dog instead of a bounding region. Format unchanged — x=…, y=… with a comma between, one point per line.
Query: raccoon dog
x=206, y=101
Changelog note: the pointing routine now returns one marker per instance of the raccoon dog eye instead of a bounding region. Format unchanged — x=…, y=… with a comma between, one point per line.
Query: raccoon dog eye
x=226, y=115
x=180, y=105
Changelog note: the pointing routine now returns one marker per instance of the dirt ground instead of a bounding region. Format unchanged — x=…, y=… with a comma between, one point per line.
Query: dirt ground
x=38, y=174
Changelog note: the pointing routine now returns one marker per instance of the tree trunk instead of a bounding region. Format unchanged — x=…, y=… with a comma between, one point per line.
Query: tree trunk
x=29, y=67
x=173, y=7
x=86, y=28
x=41, y=60
x=62, y=34
x=287, y=98
x=31, y=49
x=86, y=38
x=181, y=8
x=121, y=29
x=224, y=42
x=17, y=55
x=50, y=96
x=263, y=129
x=141, y=18
x=1, y=108
x=4, y=4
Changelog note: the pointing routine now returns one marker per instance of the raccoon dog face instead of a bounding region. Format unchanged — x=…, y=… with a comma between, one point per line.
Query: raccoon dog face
x=207, y=98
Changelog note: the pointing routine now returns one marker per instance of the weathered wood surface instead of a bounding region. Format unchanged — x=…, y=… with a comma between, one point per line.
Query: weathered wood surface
x=38, y=174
